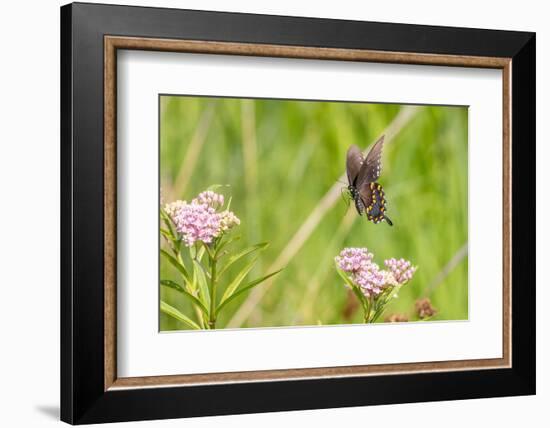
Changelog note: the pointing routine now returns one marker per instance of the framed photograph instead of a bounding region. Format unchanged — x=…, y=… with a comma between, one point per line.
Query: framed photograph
x=265, y=213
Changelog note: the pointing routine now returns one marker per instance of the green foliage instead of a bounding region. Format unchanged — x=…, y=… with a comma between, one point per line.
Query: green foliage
x=279, y=159
x=200, y=288
x=173, y=312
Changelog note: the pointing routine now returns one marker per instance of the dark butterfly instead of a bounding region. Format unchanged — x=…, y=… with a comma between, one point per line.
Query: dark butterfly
x=367, y=194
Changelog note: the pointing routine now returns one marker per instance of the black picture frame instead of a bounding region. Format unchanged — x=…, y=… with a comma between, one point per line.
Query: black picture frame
x=83, y=396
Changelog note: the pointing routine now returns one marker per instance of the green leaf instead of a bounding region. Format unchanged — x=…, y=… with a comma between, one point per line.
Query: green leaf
x=173, y=312
x=175, y=286
x=177, y=264
x=205, y=272
x=200, y=253
x=245, y=252
x=361, y=297
x=216, y=186
x=377, y=313
x=204, y=294
x=167, y=221
x=238, y=279
x=353, y=287
x=244, y=289
x=346, y=279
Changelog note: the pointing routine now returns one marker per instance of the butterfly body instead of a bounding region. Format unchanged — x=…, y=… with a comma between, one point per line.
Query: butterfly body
x=367, y=194
x=359, y=205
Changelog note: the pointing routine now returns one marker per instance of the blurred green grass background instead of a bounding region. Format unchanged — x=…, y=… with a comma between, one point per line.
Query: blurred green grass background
x=281, y=157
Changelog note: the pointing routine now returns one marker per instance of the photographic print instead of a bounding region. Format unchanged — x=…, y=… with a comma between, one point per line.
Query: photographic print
x=280, y=213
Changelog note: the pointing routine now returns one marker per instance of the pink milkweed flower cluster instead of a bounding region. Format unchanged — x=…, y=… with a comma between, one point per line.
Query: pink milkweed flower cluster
x=200, y=220
x=358, y=264
x=354, y=260
x=402, y=270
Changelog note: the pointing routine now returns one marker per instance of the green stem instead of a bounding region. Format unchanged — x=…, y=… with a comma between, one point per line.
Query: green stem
x=198, y=312
x=367, y=310
x=212, y=321
x=193, y=252
x=368, y=318
x=382, y=305
x=377, y=314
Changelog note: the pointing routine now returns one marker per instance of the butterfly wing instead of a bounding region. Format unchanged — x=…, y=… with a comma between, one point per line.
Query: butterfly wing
x=372, y=166
x=372, y=196
x=364, y=194
x=354, y=161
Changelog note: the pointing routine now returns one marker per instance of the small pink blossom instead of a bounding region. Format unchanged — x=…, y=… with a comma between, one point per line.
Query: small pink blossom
x=389, y=279
x=370, y=280
x=228, y=220
x=401, y=269
x=210, y=198
x=353, y=260
x=173, y=207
